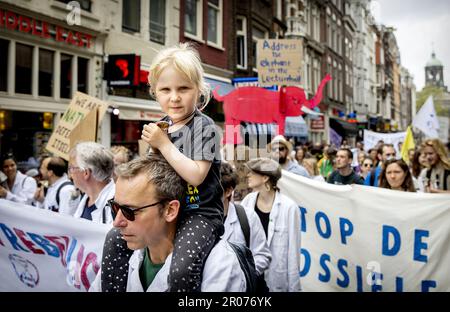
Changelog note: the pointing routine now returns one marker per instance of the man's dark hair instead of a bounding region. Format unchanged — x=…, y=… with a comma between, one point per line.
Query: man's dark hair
x=229, y=177
x=349, y=152
x=57, y=165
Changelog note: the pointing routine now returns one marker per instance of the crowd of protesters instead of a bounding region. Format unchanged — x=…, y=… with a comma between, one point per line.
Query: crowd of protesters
x=203, y=198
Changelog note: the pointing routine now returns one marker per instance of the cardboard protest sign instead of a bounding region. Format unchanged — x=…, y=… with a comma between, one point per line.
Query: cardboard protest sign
x=279, y=62
x=80, y=106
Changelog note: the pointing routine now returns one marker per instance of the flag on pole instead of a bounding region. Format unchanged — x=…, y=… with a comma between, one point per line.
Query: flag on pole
x=426, y=119
x=407, y=145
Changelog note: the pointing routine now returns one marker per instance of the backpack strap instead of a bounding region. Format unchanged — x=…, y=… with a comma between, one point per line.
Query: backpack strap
x=243, y=221
x=247, y=263
x=59, y=190
x=372, y=176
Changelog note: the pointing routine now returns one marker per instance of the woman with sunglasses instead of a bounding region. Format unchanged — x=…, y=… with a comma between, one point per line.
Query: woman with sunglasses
x=366, y=166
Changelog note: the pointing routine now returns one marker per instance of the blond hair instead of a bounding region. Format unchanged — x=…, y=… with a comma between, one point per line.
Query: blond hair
x=439, y=148
x=186, y=60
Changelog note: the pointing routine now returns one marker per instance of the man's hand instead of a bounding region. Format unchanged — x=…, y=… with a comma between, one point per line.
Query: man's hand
x=3, y=192
x=39, y=195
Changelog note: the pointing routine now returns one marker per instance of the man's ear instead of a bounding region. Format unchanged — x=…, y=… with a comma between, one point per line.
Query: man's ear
x=228, y=192
x=171, y=212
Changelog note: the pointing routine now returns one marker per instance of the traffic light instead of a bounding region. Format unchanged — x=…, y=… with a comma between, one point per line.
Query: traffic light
x=47, y=120
x=123, y=70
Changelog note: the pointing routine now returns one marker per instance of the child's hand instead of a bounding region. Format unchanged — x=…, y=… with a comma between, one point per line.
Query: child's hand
x=154, y=135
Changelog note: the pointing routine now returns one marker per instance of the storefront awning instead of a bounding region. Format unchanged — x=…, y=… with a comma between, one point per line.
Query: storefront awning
x=296, y=127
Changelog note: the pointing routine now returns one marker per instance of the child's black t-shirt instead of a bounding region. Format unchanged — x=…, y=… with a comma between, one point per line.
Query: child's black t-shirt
x=199, y=139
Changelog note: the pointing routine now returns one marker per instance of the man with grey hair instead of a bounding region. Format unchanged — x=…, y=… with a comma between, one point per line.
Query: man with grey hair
x=91, y=167
x=146, y=207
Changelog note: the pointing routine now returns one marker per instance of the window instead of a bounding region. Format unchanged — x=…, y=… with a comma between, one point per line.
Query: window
x=4, y=47
x=131, y=13
x=66, y=76
x=215, y=22
x=241, y=38
x=83, y=70
x=46, y=72
x=84, y=4
x=158, y=21
x=24, y=61
x=193, y=18
x=256, y=34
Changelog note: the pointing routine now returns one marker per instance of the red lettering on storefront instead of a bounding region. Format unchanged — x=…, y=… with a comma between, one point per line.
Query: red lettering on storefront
x=10, y=25
x=1, y=18
x=45, y=32
x=59, y=34
x=69, y=38
x=24, y=24
x=88, y=40
x=35, y=31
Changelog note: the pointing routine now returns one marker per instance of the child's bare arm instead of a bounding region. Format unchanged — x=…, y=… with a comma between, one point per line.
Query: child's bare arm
x=192, y=171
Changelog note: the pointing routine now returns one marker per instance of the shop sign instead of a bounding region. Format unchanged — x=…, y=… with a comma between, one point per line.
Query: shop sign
x=79, y=121
x=29, y=25
x=123, y=70
x=318, y=124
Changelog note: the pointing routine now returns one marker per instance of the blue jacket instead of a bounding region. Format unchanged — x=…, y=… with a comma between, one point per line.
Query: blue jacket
x=377, y=175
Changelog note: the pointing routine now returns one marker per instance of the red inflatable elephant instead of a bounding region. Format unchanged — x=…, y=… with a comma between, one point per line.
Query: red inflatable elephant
x=259, y=105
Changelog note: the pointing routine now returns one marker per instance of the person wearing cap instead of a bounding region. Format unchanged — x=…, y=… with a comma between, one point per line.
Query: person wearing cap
x=20, y=187
x=281, y=149
x=280, y=218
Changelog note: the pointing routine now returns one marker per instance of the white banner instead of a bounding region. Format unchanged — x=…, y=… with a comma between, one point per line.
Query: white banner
x=426, y=119
x=41, y=250
x=372, y=138
x=360, y=238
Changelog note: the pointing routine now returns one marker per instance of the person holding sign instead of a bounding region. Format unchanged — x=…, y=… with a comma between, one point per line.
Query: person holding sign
x=20, y=187
x=280, y=218
x=91, y=167
x=191, y=146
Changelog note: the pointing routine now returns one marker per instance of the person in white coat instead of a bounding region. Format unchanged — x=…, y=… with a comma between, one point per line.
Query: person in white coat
x=147, y=207
x=20, y=188
x=280, y=218
x=91, y=168
x=61, y=194
x=233, y=230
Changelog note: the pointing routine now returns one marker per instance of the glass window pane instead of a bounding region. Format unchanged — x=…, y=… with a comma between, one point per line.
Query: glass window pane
x=83, y=71
x=131, y=15
x=190, y=17
x=66, y=76
x=212, y=25
x=24, y=60
x=45, y=72
x=158, y=20
x=240, y=50
x=4, y=44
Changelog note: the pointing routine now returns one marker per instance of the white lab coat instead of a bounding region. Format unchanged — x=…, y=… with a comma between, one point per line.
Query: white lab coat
x=258, y=242
x=23, y=189
x=101, y=203
x=284, y=243
x=221, y=273
x=67, y=204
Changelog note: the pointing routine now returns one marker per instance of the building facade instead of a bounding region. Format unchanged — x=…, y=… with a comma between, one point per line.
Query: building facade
x=45, y=58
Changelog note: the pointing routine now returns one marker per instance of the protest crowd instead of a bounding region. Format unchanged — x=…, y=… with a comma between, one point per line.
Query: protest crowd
x=192, y=214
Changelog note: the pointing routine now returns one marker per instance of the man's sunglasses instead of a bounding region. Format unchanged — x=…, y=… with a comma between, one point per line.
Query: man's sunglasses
x=279, y=149
x=127, y=212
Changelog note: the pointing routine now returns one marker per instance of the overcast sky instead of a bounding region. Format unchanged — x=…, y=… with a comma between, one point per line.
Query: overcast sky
x=419, y=24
